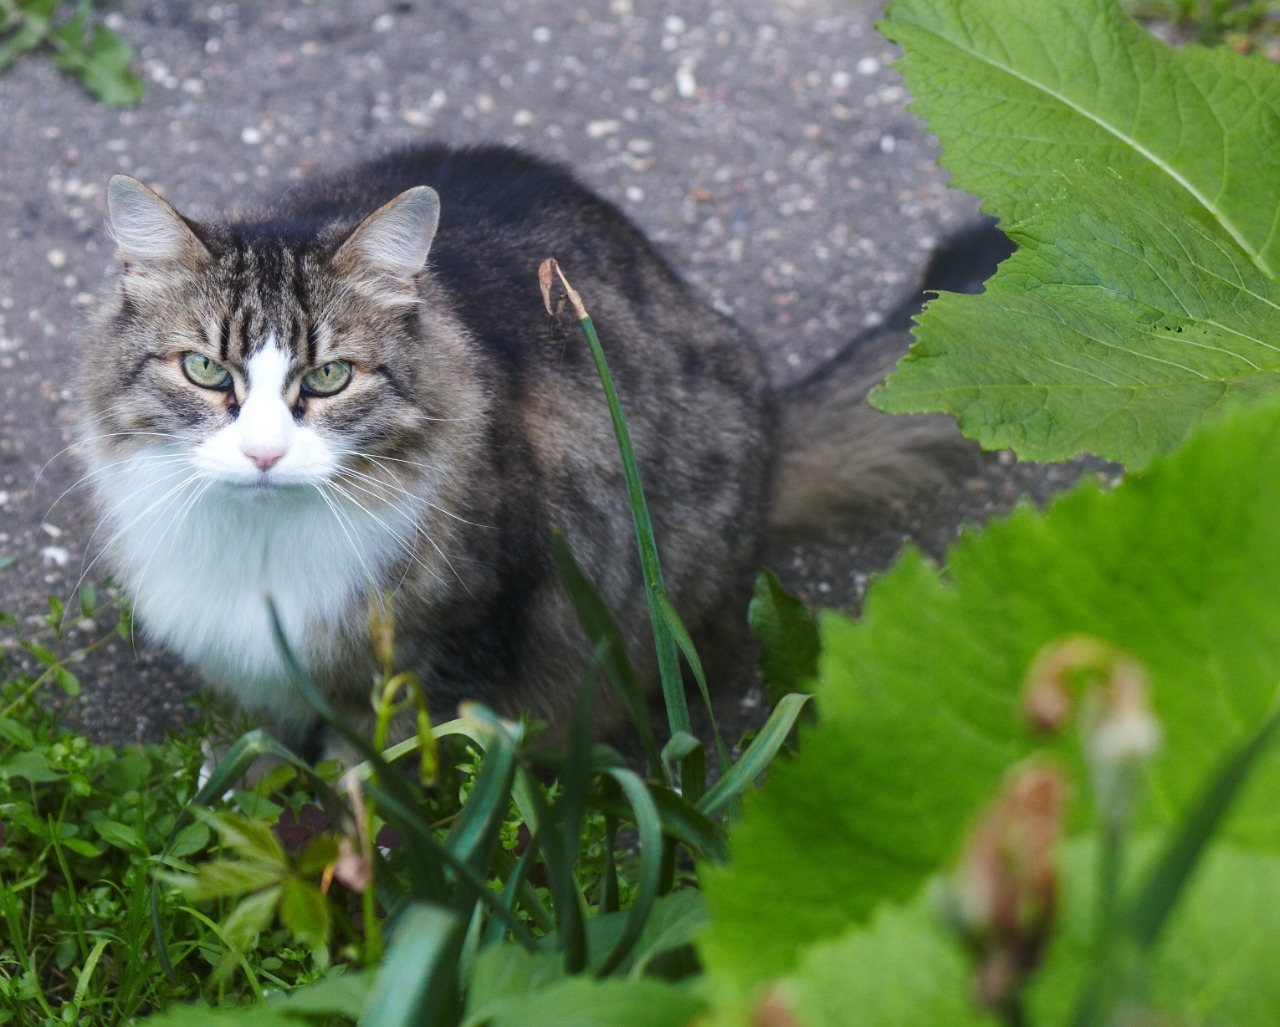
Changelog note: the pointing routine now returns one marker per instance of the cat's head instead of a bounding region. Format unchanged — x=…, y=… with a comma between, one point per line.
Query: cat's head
x=268, y=354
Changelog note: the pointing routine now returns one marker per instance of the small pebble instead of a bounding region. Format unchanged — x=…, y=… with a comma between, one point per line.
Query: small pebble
x=686, y=83
x=55, y=556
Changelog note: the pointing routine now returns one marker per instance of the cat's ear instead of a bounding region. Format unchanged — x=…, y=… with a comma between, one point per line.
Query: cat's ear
x=392, y=243
x=149, y=232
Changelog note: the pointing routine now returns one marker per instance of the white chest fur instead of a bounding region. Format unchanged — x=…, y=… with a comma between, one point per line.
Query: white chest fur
x=200, y=536
x=200, y=558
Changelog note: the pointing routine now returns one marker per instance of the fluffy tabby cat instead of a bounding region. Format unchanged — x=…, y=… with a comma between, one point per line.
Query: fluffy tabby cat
x=358, y=391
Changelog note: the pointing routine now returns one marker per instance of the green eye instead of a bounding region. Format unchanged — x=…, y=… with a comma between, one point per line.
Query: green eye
x=206, y=373
x=327, y=379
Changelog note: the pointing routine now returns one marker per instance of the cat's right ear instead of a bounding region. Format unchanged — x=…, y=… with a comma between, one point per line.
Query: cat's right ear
x=392, y=243
x=147, y=229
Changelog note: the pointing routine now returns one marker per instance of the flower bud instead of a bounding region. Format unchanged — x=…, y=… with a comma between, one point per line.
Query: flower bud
x=1056, y=674
x=382, y=628
x=1003, y=896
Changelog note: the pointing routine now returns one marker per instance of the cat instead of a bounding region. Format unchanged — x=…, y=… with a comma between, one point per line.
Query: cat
x=357, y=392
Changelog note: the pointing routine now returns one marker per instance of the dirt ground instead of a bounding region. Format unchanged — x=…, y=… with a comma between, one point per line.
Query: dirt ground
x=764, y=145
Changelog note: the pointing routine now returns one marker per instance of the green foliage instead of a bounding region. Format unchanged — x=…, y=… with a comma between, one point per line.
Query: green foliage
x=1242, y=24
x=1043, y=787
x=1141, y=186
x=469, y=937
x=265, y=884
x=922, y=719
x=789, y=642
x=585, y=1002
x=90, y=51
x=1142, y=300
x=1190, y=125
x=82, y=826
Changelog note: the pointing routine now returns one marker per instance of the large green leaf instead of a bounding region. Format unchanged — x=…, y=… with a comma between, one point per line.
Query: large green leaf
x=902, y=968
x=1016, y=91
x=1216, y=963
x=1118, y=326
x=899, y=970
x=1143, y=185
x=511, y=986
x=788, y=635
x=919, y=701
x=585, y=1002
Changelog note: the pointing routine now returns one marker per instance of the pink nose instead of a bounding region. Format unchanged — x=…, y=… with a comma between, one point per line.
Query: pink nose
x=264, y=457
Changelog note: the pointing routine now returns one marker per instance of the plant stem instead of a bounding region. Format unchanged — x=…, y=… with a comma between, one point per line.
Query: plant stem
x=668, y=657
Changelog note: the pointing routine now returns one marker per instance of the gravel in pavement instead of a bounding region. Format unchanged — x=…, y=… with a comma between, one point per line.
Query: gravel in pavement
x=765, y=146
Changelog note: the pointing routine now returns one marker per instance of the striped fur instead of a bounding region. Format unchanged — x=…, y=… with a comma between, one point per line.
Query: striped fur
x=472, y=425
x=468, y=427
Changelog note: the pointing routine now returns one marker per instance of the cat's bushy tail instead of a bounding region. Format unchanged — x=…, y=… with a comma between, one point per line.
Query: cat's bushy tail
x=837, y=457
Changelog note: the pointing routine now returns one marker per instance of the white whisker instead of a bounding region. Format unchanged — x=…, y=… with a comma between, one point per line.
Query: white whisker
x=99, y=472
x=85, y=440
x=124, y=528
x=174, y=522
x=406, y=545
x=399, y=486
x=344, y=525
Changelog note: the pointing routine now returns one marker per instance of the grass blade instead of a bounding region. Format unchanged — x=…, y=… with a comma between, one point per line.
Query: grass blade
x=475, y=832
x=471, y=885
x=415, y=985
x=548, y=830
x=649, y=827
x=1118, y=976
x=516, y=888
x=1169, y=877
x=86, y=973
x=602, y=630
x=685, y=644
x=609, y=896
x=683, y=748
x=683, y=821
x=578, y=772
x=668, y=659
x=760, y=753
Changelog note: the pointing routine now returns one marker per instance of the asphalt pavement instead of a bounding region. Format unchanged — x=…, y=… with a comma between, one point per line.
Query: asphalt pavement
x=764, y=145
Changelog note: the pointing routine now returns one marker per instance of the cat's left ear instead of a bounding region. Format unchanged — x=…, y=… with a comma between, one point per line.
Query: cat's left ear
x=392, y=243
x=148, y=230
